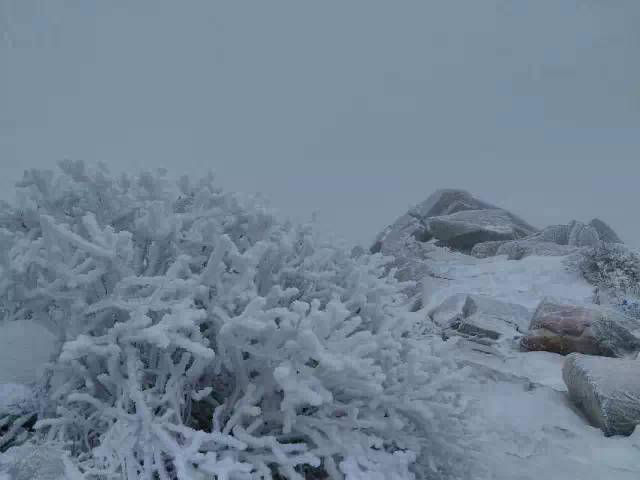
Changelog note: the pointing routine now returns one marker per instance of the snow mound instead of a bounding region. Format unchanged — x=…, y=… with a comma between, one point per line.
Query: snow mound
x=25, y=347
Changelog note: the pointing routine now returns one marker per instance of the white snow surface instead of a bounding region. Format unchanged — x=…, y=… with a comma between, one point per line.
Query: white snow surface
x=25, y=347
x=15, y=398
x=522, y=419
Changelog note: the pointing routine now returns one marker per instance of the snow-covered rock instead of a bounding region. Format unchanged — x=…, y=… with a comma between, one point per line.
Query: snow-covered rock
x=555, y=240
x=480, y=316
x=558, y=234
x=519, y=249
x=581, y=235
x=462, y=230
x=607, y=391
x=605, y=232
x=564, y=329
x=413, y=226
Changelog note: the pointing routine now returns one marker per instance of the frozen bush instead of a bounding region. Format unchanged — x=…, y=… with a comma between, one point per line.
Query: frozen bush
x=205, y=339
x=614, y=268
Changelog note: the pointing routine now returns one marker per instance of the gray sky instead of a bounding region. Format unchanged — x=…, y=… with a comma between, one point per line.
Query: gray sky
x=356, y=109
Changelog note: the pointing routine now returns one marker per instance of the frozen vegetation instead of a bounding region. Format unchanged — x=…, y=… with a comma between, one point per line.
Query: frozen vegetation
x=160, y=332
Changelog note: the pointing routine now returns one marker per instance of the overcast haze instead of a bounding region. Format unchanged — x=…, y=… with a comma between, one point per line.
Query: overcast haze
x=353, y=109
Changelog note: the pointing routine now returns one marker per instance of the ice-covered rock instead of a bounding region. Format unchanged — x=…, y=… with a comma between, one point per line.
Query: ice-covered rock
x=519, y=249
x=570, y=328
x=607, y=391
x=555, y=240
x=487, y=249
x=480, y=316
x=463, y=230
x=33, y=462
x=558, y=234
x=581, y=235
x=413, y=226
x=449, y=311
x=446, y=202
x=605, y=232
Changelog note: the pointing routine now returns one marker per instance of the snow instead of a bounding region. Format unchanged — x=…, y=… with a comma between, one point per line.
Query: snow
x=522, y=421
x=524, y=282
x=15, y=398
x=25, y=346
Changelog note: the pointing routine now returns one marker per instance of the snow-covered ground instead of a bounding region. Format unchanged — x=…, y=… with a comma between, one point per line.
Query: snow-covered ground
x=24, y=347
x=522, y=419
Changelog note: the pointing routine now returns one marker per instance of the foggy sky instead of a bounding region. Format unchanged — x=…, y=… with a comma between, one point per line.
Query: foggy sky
x=354, y=109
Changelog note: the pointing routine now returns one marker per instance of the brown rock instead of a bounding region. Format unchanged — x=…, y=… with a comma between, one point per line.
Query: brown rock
x=566, y=329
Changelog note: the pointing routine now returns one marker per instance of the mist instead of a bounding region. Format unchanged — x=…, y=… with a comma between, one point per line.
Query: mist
x=355, y=110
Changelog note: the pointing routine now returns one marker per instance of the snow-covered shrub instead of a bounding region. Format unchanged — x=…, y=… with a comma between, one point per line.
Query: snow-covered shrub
x=18, y=411
x=613, y=268
x=205, y=339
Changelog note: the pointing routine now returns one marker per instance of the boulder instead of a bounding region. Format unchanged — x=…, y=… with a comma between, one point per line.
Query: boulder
x=581, y=235
x=480, y=316
x=446, y=202
x=555, y=240
x=558, y=234
x=606, y=390
x=487, y=249
x=463, y=230
x=393, y=238
x=605, y=232
x=450, y=311
x=413, y=226
x=593, y=330
x=519, y=249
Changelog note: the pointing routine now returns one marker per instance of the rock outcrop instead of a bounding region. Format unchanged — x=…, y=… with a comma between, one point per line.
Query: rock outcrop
x=555, y=240
x=446, y=216
x=606, y=390
x=593, y=330
x=463, y=230
x=519, y=249
x=605, y=232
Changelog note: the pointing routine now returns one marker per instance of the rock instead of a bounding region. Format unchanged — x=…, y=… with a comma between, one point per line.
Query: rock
x=446, y=202
x=393, y=238
x=606, y=390
x=515, y=316
x=480, y=316
x=555, y=240
x=413, y=226
x=487, y=249
x=605, y=232
x=450, y=311
x=566, y=329
x=33, y=462
x=558, y=234
x=463, y=230
x=519, y=249
x=582, y=235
